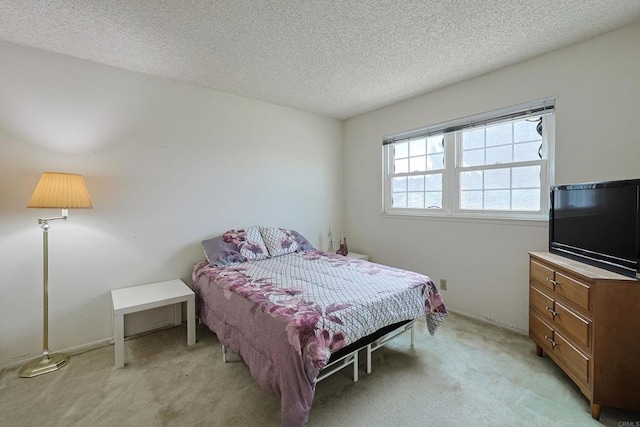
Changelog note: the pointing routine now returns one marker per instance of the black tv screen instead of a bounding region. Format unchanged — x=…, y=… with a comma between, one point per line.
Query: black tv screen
x=597, y=223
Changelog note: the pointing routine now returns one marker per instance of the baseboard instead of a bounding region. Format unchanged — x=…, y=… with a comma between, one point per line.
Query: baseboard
x=83, y=348
x=72, y=351
x=488, y=320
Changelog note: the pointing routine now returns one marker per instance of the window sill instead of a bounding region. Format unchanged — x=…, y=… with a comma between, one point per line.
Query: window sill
x=505, y=219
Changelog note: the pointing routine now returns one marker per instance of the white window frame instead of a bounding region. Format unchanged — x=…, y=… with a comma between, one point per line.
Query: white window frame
x=453, y=151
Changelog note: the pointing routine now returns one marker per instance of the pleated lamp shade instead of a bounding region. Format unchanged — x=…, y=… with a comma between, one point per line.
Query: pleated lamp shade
x=60, y=191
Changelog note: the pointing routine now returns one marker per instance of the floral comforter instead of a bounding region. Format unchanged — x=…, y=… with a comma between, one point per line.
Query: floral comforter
x=286, y=315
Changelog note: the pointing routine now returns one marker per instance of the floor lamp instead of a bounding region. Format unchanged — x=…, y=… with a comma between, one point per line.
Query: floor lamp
x=54, y=191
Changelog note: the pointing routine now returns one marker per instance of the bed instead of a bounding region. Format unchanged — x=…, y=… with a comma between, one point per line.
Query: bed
x=295, y=314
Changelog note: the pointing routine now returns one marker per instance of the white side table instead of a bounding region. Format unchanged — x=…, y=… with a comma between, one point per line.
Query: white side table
x=355, y=255
x=145, y=297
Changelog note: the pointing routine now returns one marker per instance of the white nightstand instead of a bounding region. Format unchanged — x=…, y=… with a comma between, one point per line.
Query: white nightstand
x=355, y=255
x=145, y=297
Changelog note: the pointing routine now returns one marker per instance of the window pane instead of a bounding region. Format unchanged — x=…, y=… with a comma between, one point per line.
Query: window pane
x=418, y=164
x=497, y=179
x=400, y=150
x=497, y=199
x=499, y=134
x=399, y=184
x=473, y=158
x=471, y=199
x=435, y=144
x=525, y=130
x=526, y=177
x=418, y=147
x=433, y=199
x=471, y=180
x=526, y=200
x=401, y=166
x=526, y=152
x=434, y=182
x=416, y=200
x=473, y=139
x=497, y=155
x=399, y=200
x=435, y=162
x=416, y=183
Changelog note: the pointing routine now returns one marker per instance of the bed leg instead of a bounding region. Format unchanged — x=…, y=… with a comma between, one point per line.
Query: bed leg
x=355, y=367
x=412, y=335
x=224, y=354
x=369, y=352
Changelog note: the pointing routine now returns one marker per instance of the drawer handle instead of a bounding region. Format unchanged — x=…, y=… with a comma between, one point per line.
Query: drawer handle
x=553, y=343
x=552, y=311
x=553, y=282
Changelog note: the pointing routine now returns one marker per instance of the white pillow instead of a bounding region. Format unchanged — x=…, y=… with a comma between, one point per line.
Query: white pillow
x=279, y=241
x=253, y=247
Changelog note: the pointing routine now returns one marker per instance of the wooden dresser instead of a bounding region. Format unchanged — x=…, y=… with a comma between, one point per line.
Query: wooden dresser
x=588, y=321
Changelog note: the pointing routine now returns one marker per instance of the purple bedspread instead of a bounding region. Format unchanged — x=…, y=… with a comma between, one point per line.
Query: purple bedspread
x=285, y=316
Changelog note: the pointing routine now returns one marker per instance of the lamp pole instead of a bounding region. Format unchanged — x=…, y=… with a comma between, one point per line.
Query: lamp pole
x=48, y=362
x=45, y=284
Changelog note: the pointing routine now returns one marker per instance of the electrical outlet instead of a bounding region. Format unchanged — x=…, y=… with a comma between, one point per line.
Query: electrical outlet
x=443, y=284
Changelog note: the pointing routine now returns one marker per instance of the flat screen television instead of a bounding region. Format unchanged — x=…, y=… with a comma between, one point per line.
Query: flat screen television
x=598, y=224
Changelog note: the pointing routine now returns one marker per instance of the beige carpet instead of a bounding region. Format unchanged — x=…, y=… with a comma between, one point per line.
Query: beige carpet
x=468, y=374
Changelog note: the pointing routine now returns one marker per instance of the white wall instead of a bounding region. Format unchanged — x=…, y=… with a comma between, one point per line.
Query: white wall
x=597, y=86
x=166, y=164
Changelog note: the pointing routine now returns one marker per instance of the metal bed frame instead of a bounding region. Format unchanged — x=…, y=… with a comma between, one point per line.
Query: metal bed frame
x=350, y=358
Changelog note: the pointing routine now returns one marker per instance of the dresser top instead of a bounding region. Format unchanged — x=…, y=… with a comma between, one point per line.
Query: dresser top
x=581, y=268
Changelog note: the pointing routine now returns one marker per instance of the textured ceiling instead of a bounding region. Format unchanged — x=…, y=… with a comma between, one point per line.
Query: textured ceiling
x=338, y=58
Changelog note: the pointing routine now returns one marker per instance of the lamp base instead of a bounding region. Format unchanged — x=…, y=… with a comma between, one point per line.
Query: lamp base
x=45, y=364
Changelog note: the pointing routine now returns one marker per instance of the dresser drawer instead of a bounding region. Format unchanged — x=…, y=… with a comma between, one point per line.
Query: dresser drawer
x=542, y=274
x=559, y=348
x=540, y=332
x=575, y=292
x=577, y=327
x=541, y=303
x=576, y=362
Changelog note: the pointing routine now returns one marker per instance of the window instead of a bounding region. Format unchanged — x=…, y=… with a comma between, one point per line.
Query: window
x=418, y=165
x=494, y=165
